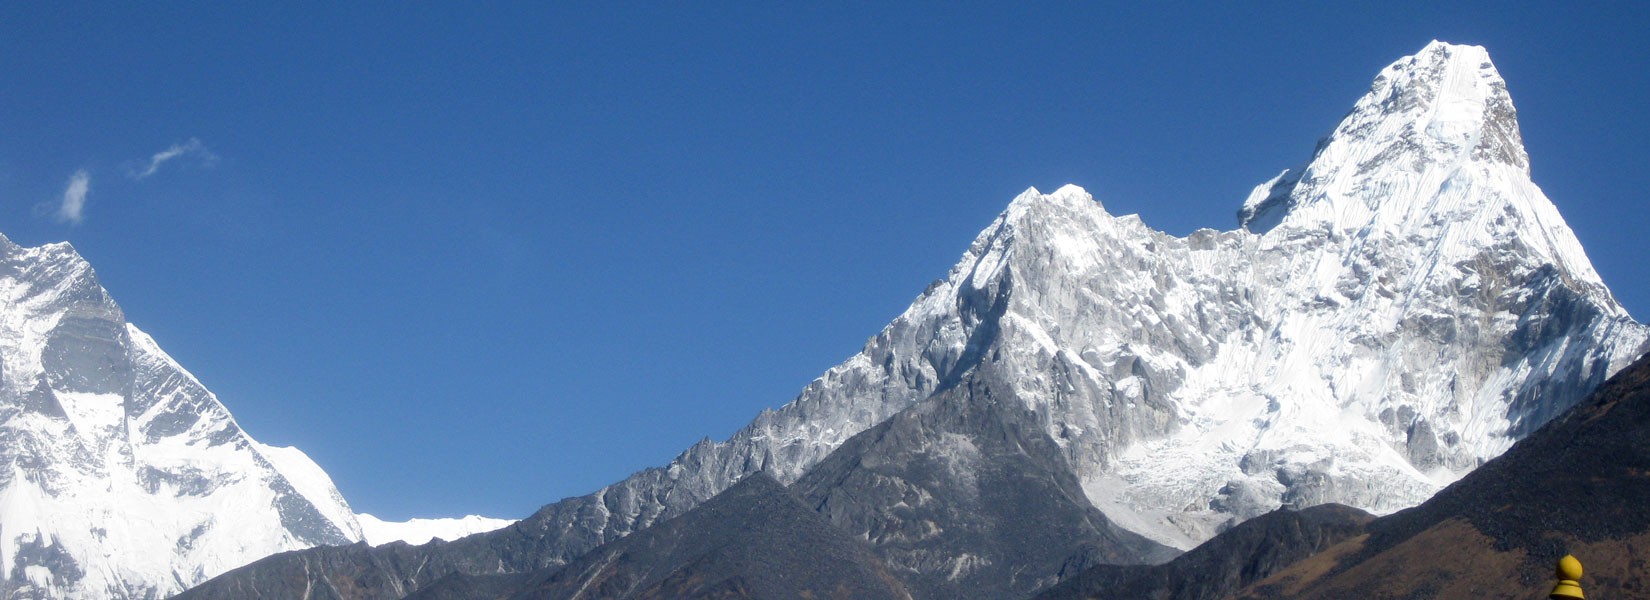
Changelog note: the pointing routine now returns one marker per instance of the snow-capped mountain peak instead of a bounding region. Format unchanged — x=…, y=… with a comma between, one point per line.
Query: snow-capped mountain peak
x=1444, y=109
x=121, y=476
x=1447, y=103
x=1391, y=315
x=1412, y=305
x=1397, y=312
x=1432, y=151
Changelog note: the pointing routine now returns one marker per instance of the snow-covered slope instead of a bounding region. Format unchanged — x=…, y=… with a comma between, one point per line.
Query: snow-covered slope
x=419, y=531
x=121, y=476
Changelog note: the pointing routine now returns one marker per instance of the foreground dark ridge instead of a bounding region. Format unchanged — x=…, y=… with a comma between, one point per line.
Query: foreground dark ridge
x=1222, y=566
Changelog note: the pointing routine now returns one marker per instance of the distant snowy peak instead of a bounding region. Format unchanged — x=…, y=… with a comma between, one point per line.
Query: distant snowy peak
x=121, y=475
x=422, y=531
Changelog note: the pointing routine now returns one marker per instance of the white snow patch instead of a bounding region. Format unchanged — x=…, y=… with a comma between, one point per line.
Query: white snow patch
x=422, y=531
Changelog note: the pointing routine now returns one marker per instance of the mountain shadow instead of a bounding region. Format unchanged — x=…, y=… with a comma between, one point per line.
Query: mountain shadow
x=1219, y=568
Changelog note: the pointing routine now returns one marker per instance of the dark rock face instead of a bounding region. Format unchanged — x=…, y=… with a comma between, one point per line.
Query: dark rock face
x=967, y=497
x=40, y=551
x=323, y=573
x=87, y=353
x=1241, y=556
x=754, y=540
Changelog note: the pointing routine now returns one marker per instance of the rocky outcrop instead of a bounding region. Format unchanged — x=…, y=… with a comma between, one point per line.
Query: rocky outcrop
x=965, y=496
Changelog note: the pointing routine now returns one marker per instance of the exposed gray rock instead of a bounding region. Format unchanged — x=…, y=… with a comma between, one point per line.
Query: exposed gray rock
x=966, y=496
x=1221, y=567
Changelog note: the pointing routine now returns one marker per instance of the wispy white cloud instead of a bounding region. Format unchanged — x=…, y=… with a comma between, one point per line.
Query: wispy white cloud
x=73, y=206
x=190, y=149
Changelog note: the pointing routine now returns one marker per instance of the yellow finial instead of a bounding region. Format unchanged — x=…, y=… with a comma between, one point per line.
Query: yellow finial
x=1569, y=576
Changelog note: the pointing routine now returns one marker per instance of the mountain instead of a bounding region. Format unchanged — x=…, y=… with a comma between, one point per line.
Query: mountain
x=1398, y=311
x=754, y=540
x=121, y=476
x=1386, y=318
x=1578, y=486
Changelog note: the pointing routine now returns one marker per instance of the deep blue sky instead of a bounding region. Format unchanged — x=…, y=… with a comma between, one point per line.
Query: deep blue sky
x=476, y=259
